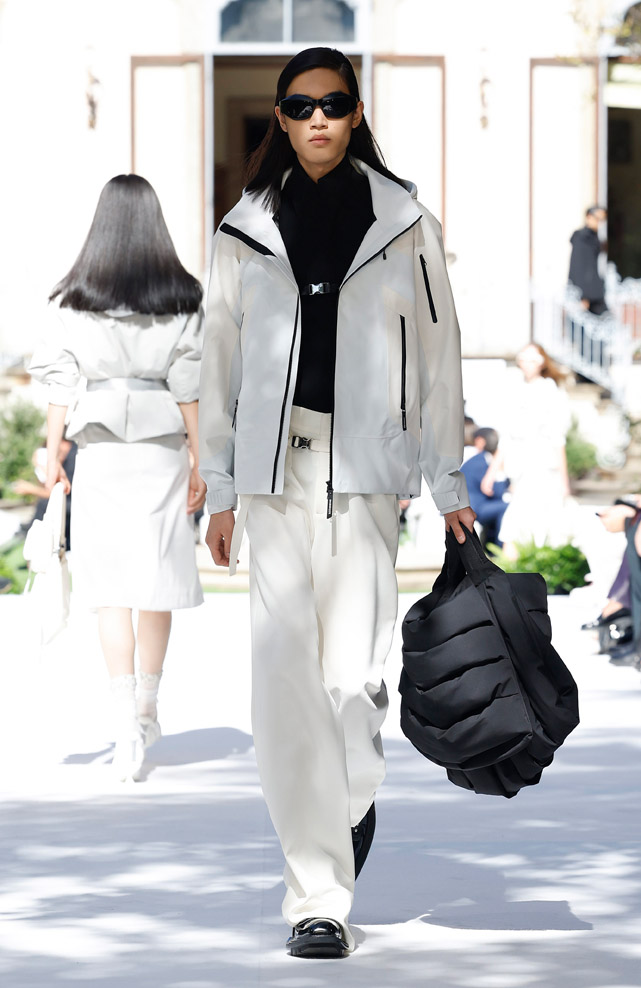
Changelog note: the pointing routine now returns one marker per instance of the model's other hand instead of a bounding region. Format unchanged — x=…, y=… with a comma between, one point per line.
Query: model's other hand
x=454, y=520
x=197, y=491
x=55, y=474
x=218, y=538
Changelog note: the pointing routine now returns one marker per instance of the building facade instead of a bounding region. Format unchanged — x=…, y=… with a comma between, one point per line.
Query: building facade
x=511, y=118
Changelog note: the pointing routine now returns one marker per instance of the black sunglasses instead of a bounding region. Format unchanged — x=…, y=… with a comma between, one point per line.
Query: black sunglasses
x=334, y=106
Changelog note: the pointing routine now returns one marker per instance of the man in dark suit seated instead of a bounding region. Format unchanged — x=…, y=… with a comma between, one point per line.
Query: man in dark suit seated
x=486, y=499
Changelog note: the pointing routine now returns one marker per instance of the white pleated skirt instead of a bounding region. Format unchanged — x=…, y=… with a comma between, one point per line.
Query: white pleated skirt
x=132, y=540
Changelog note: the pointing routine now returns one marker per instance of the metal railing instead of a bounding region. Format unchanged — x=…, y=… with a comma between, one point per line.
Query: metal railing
x=599, y=347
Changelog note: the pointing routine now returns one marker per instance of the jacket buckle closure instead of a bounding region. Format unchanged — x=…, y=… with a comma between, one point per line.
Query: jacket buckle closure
x=300, y=442
x=320, y=288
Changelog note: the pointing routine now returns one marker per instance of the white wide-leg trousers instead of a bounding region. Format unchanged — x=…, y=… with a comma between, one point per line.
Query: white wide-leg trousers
x=323, y=599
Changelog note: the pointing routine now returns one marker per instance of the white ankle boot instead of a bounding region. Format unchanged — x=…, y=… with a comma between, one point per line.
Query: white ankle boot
x=147, y=709
x=129, y=752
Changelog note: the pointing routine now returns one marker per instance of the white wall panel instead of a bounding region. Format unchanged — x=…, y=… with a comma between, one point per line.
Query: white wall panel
x=408, y=124
x=168, y=149
x=564, y=165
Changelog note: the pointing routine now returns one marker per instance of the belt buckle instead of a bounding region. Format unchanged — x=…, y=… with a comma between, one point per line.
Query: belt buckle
x=300, y=442
x=317, y=289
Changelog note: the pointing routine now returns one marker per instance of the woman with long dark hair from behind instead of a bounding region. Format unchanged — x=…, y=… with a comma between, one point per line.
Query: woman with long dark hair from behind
x=330, y=380
x=127, y=319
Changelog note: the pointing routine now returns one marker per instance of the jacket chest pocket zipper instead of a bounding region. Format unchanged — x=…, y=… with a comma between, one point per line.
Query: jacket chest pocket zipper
x=428, y=290
x=233, y=421
x=403, y=372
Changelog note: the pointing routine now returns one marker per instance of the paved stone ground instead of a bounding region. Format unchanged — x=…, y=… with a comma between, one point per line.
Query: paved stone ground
x=175, y=882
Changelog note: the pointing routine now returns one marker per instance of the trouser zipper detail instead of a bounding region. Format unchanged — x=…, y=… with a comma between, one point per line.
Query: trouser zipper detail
x=403, y=372
x=330, y=482
x=428, y=290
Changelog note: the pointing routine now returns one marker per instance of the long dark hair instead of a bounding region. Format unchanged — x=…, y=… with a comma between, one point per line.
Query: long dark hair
x=128, y=259
x=274, y=155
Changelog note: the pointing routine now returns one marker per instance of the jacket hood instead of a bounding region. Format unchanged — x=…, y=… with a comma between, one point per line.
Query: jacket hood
x=411, y=187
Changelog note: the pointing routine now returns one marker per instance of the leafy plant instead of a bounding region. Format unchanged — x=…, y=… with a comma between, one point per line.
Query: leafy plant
x=21, y=426
x=13, y=567
x=580, y=454
x=563, y=567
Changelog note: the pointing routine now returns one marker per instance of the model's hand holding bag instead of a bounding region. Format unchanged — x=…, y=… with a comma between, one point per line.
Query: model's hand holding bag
x=45, y=551
x=484, y=693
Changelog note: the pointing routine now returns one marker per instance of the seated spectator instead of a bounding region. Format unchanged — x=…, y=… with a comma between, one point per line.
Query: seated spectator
x=625, y=595
x=485, y=488
x=469, y=428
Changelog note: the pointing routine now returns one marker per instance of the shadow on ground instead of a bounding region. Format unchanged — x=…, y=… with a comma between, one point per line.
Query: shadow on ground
x=182, y=890
x=188, y=748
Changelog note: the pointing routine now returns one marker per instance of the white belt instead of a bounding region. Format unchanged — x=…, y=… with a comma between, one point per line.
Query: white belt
x=127, y=384
x=315, y=445
x=297, y=442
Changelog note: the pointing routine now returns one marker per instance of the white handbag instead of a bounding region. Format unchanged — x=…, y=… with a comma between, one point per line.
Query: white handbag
x=49, y=584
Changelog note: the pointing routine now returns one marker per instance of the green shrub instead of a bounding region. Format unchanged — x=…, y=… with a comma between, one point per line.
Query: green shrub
x=563, y=567
x=21, y=427
x=580, y=454
x=13, y=567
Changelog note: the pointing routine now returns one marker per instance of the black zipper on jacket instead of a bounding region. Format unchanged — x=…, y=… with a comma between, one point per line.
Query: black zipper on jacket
x=403, y=372
x=382, y=250
x=428, y=289
x=330, y=482
x=284, y=404
x=233, y=421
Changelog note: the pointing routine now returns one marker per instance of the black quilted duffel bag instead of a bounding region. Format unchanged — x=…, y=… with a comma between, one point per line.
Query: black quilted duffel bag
x=484, y=693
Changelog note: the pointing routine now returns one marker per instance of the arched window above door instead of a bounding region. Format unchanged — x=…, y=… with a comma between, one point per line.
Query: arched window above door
x=324, y=20
x=630, y=32
x=252, y=20
x=261, y=21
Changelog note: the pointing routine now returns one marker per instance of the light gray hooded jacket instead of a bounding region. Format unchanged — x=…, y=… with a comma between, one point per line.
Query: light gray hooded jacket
x=398, y=406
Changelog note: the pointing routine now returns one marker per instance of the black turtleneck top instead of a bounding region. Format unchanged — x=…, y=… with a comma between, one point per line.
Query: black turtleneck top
x=322, y=225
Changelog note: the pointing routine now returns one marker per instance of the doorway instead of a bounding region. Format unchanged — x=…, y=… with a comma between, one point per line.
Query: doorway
x=244, y=88
x=624, y=163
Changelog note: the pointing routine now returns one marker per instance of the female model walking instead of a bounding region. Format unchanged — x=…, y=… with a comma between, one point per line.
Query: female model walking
x=127, y=318
x=330, y=381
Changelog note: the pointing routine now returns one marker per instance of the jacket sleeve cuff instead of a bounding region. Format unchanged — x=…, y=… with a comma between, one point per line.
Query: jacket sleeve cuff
x=220, y=502
x=448, y=501
x=183, y=395
x=60, y=394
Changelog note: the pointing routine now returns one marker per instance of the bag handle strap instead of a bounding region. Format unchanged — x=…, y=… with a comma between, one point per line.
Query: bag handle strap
x=63, y=526
x=60, y=542
x=471, y=555
x=462, y=558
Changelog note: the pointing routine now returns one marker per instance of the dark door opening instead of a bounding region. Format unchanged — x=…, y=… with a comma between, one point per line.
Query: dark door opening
x=244, y=89
x=624, y=167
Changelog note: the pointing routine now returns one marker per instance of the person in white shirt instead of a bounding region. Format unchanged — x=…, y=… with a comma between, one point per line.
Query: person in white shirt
x=127, y=321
